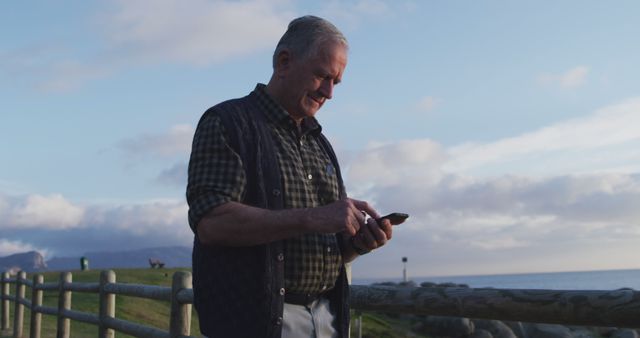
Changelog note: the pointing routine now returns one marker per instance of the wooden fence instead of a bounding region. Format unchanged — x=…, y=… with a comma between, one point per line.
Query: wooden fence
x=179, y=294
x=619, y=308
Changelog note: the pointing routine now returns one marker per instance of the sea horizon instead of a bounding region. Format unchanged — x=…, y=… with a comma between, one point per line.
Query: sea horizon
x=558, y=280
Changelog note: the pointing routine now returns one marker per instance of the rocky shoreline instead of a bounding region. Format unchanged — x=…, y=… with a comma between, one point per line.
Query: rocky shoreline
x=440, y=326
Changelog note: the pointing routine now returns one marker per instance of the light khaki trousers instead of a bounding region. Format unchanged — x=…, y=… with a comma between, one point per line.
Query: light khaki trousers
x=314, y=321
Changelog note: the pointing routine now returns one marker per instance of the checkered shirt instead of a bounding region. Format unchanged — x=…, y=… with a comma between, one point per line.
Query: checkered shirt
x=312, y=261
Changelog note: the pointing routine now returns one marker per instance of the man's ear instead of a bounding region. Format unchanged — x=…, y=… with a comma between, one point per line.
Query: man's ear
x=283, y=63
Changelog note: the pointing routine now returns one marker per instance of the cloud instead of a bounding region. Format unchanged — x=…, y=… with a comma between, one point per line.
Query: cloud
x=11, y=247
x=514, y=202
x=53, y=225
x=428, y=103
x=389, y=164
x=176, y=175
x=143, y=32
x=604, y=140
x=40, y=212
x=153, y=216
x=198, y=32
x=572, y=78
x=176, y=141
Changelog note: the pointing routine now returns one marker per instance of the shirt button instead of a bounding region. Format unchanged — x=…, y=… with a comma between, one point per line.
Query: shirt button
x=280, y=257
x=281, y=291
x=279, y=321
x=309, y=176
x=328, y=249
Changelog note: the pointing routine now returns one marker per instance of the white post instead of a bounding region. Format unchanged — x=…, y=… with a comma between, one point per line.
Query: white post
x=18, y=319
x=36, y=301
x=180, y=322
x=107, y=304
x=64, y=303
x=4, y=307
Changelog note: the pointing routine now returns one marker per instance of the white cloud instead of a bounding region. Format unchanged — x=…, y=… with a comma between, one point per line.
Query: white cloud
x=47, y=212
x=572, y=78
x=11, y=247
x=523, y=199
x=54, y=225
x=388, y=164
x=176, y=141
x=153, y=216
x=504, y=242
x=606, y=139
x=427, y=103
x=199, y=32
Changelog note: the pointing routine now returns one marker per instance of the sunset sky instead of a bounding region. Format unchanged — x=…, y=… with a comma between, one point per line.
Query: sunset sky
x=508, y=130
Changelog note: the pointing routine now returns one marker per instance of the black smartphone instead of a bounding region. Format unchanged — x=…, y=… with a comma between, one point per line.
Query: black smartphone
x=395, y=218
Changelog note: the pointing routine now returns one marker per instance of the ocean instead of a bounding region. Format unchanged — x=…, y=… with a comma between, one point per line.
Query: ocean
x=581, y=280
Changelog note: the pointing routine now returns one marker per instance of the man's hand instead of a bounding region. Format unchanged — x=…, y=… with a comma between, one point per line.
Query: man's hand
x=344, y=216
x=373, y=235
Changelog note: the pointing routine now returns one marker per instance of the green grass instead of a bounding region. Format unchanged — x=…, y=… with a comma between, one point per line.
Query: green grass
x=143, y=311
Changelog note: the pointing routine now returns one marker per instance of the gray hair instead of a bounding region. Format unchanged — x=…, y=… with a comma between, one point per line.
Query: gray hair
x=306, y=34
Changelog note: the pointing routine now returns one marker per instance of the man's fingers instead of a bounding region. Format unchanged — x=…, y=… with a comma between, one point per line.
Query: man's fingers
x=364, y=206
x=387, y=228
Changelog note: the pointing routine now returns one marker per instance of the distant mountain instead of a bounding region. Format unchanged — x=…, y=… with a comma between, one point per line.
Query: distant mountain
x=31, y=261
x=173, y=256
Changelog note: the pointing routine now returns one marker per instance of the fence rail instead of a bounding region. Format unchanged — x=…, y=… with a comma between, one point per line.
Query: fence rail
x=180, y=296
x=619, y=308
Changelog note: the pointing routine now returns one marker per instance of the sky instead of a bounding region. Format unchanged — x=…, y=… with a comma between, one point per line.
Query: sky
x=508, y=130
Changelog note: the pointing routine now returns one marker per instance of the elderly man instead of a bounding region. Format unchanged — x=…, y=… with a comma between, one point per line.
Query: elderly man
x=273, y=225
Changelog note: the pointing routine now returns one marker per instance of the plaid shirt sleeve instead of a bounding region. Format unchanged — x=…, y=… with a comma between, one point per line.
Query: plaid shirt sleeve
x=216, y=173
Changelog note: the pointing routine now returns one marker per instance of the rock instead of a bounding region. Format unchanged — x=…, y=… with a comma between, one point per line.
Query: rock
x=604, y=331
x=517, y=328
x=497, y=328
x=445, y=326
x=410, y=284
x=624, y=333
x=584, y=333
x=547, y=331
x=480, y=333
x=31, y=261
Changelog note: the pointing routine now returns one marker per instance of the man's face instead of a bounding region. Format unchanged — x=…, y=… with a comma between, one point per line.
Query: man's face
x=309, y=81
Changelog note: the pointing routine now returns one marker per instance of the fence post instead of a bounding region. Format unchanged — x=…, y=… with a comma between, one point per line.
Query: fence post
x=358, y=322
x=64, y=303
x=36, y=301
x=180, y=323
x=4, y=308
x=107, y=304
x=18, y=317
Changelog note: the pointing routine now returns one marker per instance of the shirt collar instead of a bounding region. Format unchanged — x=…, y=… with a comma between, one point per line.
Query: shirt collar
x=277, y=114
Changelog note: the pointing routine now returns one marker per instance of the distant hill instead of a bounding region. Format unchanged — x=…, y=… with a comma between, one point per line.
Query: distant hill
x=28, y=261
x=173, y=257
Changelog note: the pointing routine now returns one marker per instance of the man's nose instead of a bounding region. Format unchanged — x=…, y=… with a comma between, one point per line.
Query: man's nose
x=326, y=88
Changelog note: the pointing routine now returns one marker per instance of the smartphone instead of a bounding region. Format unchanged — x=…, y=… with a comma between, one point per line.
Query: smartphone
x=395, y=218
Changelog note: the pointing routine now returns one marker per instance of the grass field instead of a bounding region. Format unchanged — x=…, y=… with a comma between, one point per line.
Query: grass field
x=156, y=313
